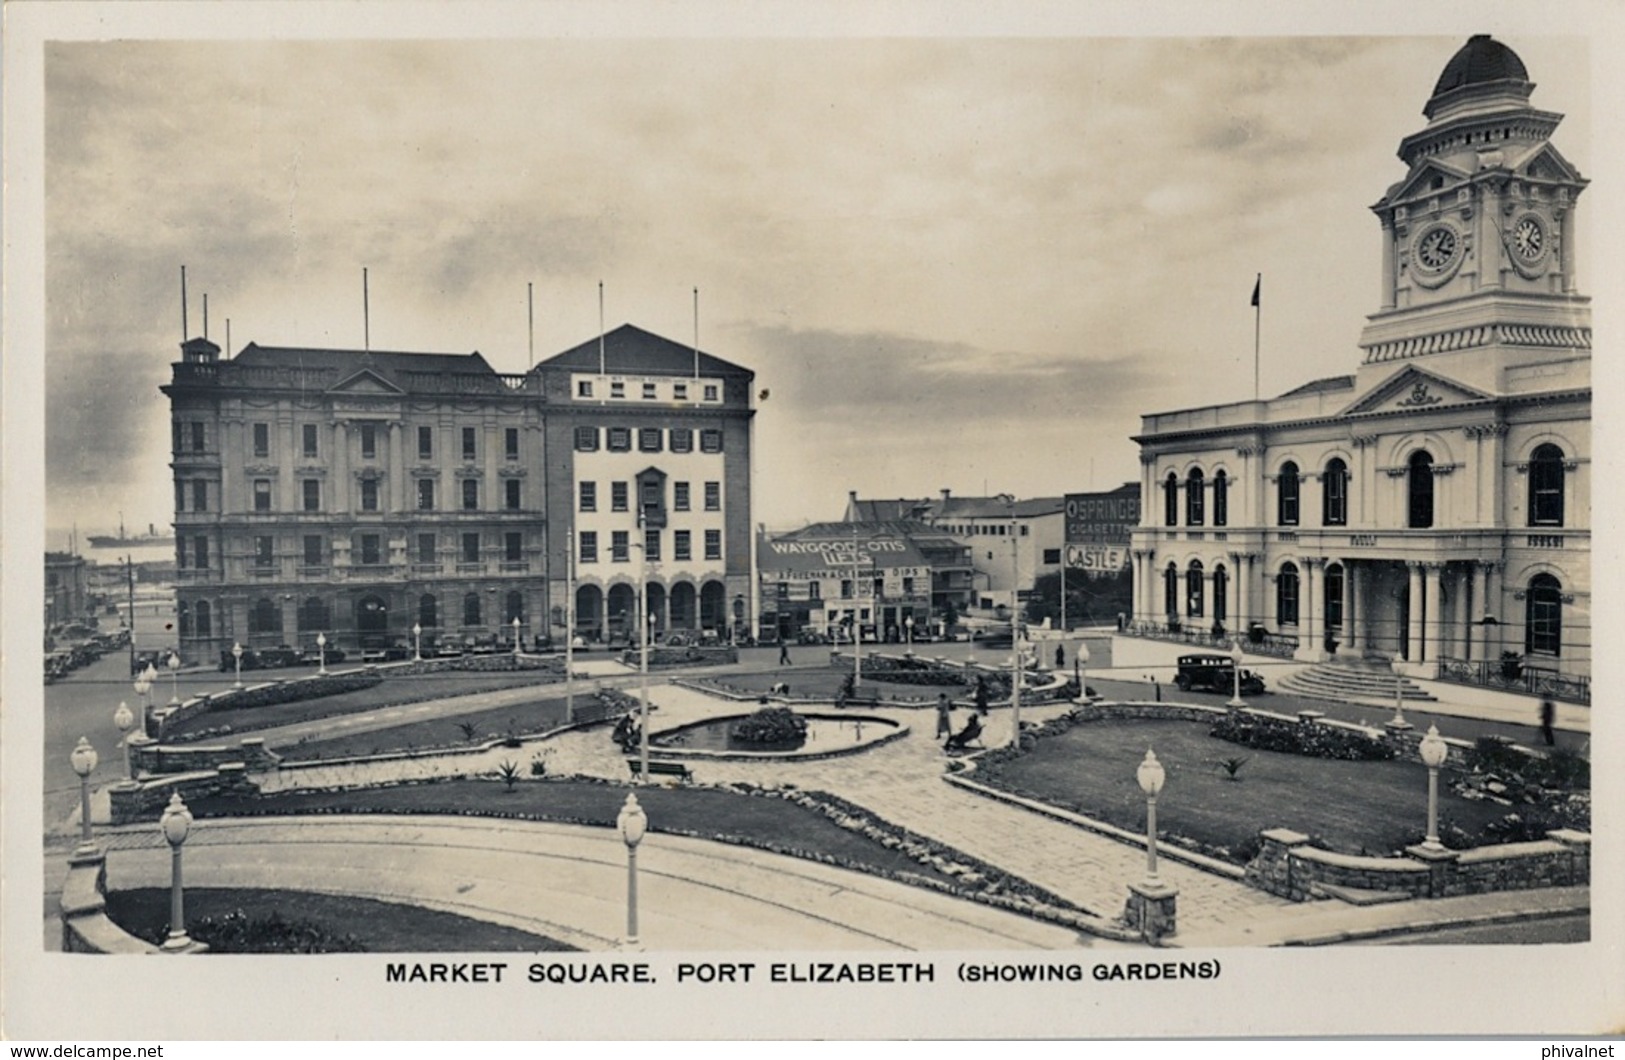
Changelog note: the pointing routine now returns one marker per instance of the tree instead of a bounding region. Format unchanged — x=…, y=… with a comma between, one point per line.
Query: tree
x=1091, y=599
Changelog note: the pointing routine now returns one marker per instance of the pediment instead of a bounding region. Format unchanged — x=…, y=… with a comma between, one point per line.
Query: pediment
x=365, y=382
x=1545, y=163
x=1420, y=183
x=1415, y=390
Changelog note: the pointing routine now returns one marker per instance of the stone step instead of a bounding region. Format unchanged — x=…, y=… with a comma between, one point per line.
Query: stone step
x=1333, y=681
x=1357, y=895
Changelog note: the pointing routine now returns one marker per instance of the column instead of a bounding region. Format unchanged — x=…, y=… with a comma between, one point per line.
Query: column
x=1244, y=592
x=1433, y=620
x=1462, y=614
x=1413, y=613
x=341, y=468
x=1309, y=608
x=285, y=454
x=1389, y=252
x=1489, y=598
x=1352, y=634
x=397, y=471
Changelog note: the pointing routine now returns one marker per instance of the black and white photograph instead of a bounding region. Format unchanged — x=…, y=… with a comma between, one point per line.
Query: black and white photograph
x=755, y=522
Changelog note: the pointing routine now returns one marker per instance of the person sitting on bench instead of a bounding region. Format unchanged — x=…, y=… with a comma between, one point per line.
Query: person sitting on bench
x=780, y=689
x=972, y=732
x=626, y=731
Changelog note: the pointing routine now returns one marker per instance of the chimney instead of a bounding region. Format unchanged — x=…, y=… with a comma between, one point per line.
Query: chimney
x=946, y=493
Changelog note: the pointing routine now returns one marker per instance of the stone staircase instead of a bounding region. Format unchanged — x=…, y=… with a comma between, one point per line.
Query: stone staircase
x=1351, y=680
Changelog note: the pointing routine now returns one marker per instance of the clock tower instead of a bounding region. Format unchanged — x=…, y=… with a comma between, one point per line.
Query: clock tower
x=1478, y=257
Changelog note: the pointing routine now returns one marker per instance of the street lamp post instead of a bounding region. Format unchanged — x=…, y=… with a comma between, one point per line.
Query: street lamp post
x=1151, y=777
x=237, y=657
x=632, y=823
x=417, y=642
x=908, y=626
x=83, y=758
x=643, y=652
x=1236, y=657
x=125, y=722
x=174, y=664
x=1433, y=751
x=516, y=636
x=1080, y=670
x=176, y=823
x=321, y=654
x=1398, y=720
x=569, y=624
x=1015, y=639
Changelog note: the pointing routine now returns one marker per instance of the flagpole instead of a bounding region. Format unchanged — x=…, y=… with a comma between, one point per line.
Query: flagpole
x=601, y=327
x=1258, y=311
x=696, y=333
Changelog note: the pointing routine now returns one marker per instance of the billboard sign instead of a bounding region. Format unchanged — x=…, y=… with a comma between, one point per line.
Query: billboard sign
x=1099, y=519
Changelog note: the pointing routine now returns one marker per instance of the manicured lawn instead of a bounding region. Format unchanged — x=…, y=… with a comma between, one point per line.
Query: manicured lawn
x=524, y=719
x=392, y=691
x=824, y=681
x=371, y=926
x=1353, y=807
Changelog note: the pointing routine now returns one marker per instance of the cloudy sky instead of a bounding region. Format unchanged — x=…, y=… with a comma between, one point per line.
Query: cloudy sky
x=960, y=263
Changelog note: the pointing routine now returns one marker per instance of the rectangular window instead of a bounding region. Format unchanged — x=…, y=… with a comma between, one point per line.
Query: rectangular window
x=369, y=441
x=711, y=392
x=471, y=494
x=617, y=389
x=369, y=495
x=176, y=431
x=510, y=443
x=584, y=388
x=908, y=586
x=180, y=496
x=713, y=544
x=262, y=439
x=425, y=494
x=815, y=590
x=589, y=546
x=682, y=439
x=617, y=497
x=200, y=552
x=710, y=440
x=619, y=440
x=263, y=546
x=312, y=488
x=200, y=495
x=470, y=450
x=1052, y=555
x=510, y=490
x=588, y=496
x=618, y=546
x=315, y=552
x=679, y=496
x=471, y=548
x=262, y=495
x=713, y=496
x=586, y=439
x=427, y=547
x=649, y=392
x=198, y=438
x=425, y=443
x=311, y=449
x=513, y=546
x=846, y=588
x=651, y=545
x=682, y=545
x=679, y=391
x=371, y=554
x=649, y=439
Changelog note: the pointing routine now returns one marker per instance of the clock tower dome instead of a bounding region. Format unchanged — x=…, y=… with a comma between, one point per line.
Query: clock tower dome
x=1478, y=238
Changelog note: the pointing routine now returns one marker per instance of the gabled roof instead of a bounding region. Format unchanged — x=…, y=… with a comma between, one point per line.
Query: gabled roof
x=1413, y=390
x=630, y=350
x=406, y=372
x=1321, y=386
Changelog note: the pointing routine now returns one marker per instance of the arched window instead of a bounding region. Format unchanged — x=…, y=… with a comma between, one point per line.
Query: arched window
x=428, y=611
x=1221, y=588
x=203, y=624
x=515, y=607
x=1546, y=486
x=1334, y=497
x=1286, y=495
x=184, y=612
x=1221, y=499
x=314, y=614
x=1170, y=500
x=1420, y=486
x=1193, y=589
x=1194, y=498
x=265, y=616
x=1170, y=592
x=1543, y=616
x=471, y=609
x=1286, y=596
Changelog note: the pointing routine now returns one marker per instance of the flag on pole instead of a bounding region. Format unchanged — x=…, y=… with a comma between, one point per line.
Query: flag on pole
x=1257, y=286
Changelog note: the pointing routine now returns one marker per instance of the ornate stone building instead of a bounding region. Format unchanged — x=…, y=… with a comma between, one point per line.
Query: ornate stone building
x=1433, y=507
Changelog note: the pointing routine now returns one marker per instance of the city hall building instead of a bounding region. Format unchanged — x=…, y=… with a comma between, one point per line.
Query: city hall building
x=360, y=494
x=1433, y=507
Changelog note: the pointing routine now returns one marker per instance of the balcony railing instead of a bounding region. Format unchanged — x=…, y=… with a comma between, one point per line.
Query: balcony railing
x=1282, y=645
x=1514, y=676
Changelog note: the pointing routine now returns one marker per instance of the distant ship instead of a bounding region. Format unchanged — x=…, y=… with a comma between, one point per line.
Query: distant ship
x=120, y=540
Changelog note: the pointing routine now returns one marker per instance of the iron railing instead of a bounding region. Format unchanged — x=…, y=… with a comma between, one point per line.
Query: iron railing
x=1506, y=676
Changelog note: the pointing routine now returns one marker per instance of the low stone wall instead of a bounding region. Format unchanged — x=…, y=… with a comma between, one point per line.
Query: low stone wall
x=1287, y=866
x=149, y=756
x=85, y=926
x=144, y=800
x=664, y=658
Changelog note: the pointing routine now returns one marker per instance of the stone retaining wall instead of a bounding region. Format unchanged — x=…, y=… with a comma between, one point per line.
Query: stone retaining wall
x=85, y=926
x=144, y=800
x=149, y=756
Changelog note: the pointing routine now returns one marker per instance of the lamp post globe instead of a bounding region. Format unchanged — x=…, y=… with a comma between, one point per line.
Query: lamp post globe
x=1151, y=777
x=1236, y=658
x=237, y=656
x=908, y=625
x=83, y=759
x=632, y=822
x=125, y=720
x=1433, y=751
x=417, y=642
x=1080, y=670
x=321, y=653
x=174, y=664
x=516, y=636
x=176, y=824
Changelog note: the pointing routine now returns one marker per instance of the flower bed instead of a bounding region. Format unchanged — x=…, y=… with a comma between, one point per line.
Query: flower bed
x=662, y=657
x=293, y=691
x=771, y=726
x=1314, y=741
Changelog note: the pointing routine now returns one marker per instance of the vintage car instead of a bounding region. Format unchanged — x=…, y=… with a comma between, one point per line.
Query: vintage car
x=1212, y=672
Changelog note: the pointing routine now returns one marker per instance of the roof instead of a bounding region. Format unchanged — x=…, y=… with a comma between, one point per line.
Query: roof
x=409, y=371
x=1480, y=61
x=632, y=351
x=877, y=511
x=1321, y=386
x=998, y=507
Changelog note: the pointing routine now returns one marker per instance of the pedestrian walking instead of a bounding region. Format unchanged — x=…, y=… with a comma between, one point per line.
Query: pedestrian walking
x=1060, y=656
x=784, y=654
x=1548, y=716
x=981, y=696
x=945, y=721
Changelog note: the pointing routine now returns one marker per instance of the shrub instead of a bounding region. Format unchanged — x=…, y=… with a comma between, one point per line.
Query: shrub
x=771, y=725
x=1314, y=741
x=508, y=772
x=1561, y=768
x=293, y=691
x=237, y=932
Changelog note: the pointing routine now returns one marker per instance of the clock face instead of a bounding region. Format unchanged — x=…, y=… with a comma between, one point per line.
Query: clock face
x=1529, y=239
x=1437, y=248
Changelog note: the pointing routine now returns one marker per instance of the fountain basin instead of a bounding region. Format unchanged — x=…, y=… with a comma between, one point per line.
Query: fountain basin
x=827, y=735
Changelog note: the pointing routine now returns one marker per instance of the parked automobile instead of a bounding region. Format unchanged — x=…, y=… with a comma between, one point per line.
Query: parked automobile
x=311, y=655
x=250, y=661
x=1214, y=673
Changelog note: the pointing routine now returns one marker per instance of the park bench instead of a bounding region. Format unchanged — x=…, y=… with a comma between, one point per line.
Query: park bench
x=660, y=769
x=859, y=701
